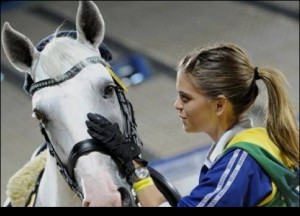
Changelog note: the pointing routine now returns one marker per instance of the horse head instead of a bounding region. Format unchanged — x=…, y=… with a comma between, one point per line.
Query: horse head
x=72, y=79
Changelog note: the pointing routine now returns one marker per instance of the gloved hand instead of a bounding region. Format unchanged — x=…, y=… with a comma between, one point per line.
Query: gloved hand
x=109, y=135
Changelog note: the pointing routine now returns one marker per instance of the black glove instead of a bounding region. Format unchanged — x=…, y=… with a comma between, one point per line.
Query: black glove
x=109, y=135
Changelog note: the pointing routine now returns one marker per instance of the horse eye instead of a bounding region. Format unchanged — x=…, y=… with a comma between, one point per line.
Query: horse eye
x=109, y=91
x=39, y=116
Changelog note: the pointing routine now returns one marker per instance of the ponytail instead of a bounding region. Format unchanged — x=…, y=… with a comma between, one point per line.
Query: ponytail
x=280, y=119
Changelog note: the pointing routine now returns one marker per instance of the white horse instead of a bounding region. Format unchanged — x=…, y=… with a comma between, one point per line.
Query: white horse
x=61, y=98
x=69, y=78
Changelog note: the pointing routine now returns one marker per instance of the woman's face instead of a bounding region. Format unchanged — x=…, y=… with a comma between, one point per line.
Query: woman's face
x=195, y=110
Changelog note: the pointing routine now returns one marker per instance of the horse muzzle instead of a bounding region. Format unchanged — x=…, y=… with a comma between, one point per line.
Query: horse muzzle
x=83, y=148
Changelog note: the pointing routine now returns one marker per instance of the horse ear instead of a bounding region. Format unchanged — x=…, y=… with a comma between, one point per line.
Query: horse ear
x=89, y=24
x=19, y=49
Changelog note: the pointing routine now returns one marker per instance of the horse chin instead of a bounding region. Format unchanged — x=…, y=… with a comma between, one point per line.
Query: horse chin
x=126, y=197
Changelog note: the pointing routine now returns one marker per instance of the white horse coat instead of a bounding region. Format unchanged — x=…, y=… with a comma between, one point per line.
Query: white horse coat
x=63, y=108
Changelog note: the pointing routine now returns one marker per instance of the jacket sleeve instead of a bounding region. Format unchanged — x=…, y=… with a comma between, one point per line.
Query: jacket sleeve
x=234, y=180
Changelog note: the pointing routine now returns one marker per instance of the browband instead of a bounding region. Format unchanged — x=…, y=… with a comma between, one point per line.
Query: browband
x=73, y=72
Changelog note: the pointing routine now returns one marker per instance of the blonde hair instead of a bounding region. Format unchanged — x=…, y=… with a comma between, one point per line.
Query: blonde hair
x=225, y=69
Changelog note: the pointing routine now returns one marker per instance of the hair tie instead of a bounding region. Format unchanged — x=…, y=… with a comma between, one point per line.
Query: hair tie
x=256, y=74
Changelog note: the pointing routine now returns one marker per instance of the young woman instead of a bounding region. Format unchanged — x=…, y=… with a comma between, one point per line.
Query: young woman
x=246, y=165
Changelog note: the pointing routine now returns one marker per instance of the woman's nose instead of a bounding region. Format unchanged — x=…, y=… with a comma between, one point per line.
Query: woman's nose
x=178, y=104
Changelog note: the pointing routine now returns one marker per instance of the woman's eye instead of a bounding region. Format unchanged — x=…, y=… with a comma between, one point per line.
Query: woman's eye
x=109, y=91
x=184, y=99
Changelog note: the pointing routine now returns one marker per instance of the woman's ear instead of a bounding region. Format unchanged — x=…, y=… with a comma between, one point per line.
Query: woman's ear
x=221, y=104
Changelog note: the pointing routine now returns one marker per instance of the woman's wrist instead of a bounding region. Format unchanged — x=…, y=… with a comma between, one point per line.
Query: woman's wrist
x=142, y=184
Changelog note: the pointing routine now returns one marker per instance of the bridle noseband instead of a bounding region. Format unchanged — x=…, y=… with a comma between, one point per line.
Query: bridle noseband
x=89, y=145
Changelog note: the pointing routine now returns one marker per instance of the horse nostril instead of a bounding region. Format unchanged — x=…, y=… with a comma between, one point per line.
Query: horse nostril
x=85, y=203
x=125, y=197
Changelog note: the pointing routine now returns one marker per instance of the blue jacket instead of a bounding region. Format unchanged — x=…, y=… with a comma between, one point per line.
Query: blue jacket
x=234, y=180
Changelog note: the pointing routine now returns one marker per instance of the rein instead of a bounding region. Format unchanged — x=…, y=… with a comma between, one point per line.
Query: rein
x=89, y=145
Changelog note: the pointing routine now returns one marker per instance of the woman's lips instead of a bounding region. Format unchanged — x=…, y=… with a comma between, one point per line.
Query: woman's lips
x=183, y=119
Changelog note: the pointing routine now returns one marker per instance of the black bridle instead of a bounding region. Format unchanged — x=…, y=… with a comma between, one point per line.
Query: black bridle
x=89, y=145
